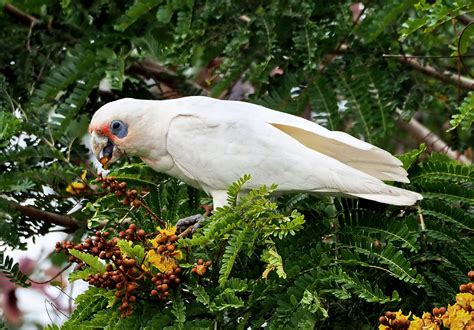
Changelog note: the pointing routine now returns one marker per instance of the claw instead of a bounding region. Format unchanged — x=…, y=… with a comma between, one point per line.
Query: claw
x=191, y=220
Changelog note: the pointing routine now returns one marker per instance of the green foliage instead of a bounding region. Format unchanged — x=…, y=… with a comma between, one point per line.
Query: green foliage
x=432, y=15
x=465, y=117
x=292, y=261
x=92, y=261
x=12, y=271
x=127, y=249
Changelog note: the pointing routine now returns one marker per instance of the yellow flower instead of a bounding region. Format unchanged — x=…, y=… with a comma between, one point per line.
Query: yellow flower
x=168, y=230
x=160, y=262
x=416, y=323
x=465, y=300
x=162, y=257
x=75, y=188
x=456, y=317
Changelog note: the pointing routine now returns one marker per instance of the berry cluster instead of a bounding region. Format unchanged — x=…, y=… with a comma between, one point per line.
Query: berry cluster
x=153, y=277
x=121, y=272
x=468, y=287
x=391, y=321
x=132, y=234
x=119, y=189
x=201, y=268
x=163, y=282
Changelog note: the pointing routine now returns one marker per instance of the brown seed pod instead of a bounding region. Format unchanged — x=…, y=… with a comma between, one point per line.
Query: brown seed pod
x=471, y=275
x=464, y=288
x=201, y=270
x=383, y=320
x=131, y=287
x=161, y=249
x=170, y=247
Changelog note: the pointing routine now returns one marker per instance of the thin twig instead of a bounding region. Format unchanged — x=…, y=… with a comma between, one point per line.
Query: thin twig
x=446, y=76
x=341, y=47
x=425, y=56
x=422, y=133
x=52, y=278
x=157, y=218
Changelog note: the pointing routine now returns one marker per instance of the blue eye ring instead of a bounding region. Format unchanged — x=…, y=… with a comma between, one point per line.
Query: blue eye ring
x=118, y=128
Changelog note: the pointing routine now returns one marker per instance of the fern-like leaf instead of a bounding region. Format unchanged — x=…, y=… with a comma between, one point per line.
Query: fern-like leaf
x=232, y=249
x=12, y=271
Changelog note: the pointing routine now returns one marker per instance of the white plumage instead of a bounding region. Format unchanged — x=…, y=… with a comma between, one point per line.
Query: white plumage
x=210, y=143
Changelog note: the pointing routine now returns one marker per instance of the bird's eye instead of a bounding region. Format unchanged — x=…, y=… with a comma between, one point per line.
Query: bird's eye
x=118, y=128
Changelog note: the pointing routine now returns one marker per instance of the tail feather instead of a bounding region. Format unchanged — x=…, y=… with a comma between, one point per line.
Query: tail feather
x=392, y=195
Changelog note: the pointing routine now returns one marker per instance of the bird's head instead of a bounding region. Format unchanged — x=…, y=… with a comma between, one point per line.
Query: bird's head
x=115, y=130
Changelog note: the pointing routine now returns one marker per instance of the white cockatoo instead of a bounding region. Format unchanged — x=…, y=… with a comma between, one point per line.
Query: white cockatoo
x=210, y=143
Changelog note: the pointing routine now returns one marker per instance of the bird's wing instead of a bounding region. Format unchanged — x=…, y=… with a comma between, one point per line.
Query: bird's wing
x=341, y=146
x=217, y=149
x=338, y=145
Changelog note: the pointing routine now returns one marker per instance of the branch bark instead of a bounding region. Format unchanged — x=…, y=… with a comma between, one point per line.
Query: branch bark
x=423, y=134
x=444, y=76
x=465, y=19
x=151, y=69
x=20, y=15
x=34, y=213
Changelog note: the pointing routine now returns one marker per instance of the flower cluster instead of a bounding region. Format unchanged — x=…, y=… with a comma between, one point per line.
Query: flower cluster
x=134, y=265
x=459, y=316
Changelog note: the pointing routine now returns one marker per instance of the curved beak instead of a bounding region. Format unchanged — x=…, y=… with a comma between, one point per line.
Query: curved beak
x=104, y=150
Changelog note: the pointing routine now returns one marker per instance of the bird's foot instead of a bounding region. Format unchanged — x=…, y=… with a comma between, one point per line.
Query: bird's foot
x=193, y=220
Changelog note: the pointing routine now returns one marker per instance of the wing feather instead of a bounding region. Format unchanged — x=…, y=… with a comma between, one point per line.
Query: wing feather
x=374, y=161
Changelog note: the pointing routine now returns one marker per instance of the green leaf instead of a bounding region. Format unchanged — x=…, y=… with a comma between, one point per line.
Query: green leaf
x=409, y=158
x=80, y=274
x=133, y=13
x=179, y=311
x=232, y=249
x=234, y=189
x=312, y=304
x=12, y=271
x=201, y=295
x=132, y=251
x=164, y=14
x=274, y=262
x=93, y=261
x=465, y=117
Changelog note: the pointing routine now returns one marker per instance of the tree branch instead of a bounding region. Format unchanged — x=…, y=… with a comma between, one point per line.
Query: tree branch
x=36, y=214
x=465, y=19
x=445, y=76
x=151, y=69
x=423, y=134
x=20, y=15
